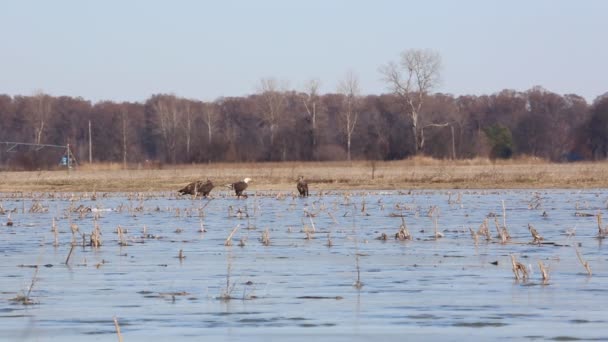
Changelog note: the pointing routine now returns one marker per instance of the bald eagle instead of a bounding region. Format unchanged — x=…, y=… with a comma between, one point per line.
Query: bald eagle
x=197, y=188
x=302, y=187
x=239, y=187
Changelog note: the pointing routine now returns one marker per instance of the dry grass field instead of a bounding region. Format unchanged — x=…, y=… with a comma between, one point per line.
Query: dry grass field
x=416, y=173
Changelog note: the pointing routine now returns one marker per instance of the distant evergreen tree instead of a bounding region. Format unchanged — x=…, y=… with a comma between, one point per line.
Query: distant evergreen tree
x=501, y=140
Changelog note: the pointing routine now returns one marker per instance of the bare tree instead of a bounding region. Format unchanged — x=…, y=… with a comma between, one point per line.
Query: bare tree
x=417, y=73
x=274, y=104
x=210, y=118
x=168, y=111
x=310, y=98
x=41, y=107
x=349, y=87
x=124, y=121
x=188, y=121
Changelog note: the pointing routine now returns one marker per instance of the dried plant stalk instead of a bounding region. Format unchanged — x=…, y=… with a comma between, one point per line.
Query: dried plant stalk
x=583, y=262
x=122, y=240
x=504, y=215
x=484, y=230
x=95, y=239
x=67, y=260
x=543, y=271
x=228, y=241
x=329, y=241
x=312, y=223
x=117, y=329
x=474, y=235
x=535, y=235
x=266, y=237
x=503, y=233
x=519, y=269
x=438, y=234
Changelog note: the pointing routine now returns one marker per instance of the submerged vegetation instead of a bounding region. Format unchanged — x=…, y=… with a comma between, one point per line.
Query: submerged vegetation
x=278, y=247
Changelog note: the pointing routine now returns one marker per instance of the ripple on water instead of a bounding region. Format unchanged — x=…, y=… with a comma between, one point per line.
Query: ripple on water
x=479, y=324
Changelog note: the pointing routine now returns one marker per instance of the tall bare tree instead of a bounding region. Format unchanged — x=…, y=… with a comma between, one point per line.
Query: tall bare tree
x=210, y=119
x=416, y=74
x=188, y=120
x=124, y=118
x=310, y=98
x=41, y=107
x=349, y=88
x=274, y=103
x=169, y=115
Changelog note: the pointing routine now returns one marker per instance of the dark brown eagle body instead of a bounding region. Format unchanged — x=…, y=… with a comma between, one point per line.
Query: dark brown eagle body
x=302, y=187
x=240, y=186
x=197, y=188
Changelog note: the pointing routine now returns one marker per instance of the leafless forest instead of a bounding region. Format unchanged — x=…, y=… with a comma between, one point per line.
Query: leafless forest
x=278, y=123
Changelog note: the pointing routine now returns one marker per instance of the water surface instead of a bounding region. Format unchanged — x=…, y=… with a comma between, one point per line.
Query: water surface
x=298, y=288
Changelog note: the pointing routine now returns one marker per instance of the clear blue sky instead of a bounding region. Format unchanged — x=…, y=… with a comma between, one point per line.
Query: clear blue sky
x=128, y=50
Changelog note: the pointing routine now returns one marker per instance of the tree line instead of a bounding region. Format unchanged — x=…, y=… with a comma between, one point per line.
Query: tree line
x=281, y=124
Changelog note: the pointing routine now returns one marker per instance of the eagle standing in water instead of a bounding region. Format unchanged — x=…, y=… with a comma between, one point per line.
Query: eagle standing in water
x=197, y=188
x=239, y=187
x=302, y=187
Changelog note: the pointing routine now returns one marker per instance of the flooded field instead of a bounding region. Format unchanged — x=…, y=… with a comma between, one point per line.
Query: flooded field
x=278, y=267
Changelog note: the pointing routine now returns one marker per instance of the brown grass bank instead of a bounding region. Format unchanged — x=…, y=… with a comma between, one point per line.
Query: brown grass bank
x=416, y=173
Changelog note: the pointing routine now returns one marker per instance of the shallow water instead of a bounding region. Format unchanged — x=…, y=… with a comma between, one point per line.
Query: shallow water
x=298, y=288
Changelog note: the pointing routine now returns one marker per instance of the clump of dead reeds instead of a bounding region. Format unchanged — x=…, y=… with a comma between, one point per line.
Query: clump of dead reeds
x=122, y=239
x=403, y=233
x=308, y=232
x=265, y=239
x=503, y=233
x=484, y=230
x=95, y=238
x=38, y=208
x=474, y=235
x=537, y=238
x=519, y=270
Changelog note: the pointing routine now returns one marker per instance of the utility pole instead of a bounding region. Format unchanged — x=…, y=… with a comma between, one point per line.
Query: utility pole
x=90, y=145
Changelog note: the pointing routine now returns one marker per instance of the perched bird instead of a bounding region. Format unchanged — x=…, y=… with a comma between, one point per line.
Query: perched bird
x=239, y=187
x=197, y=188
x=302, y=187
